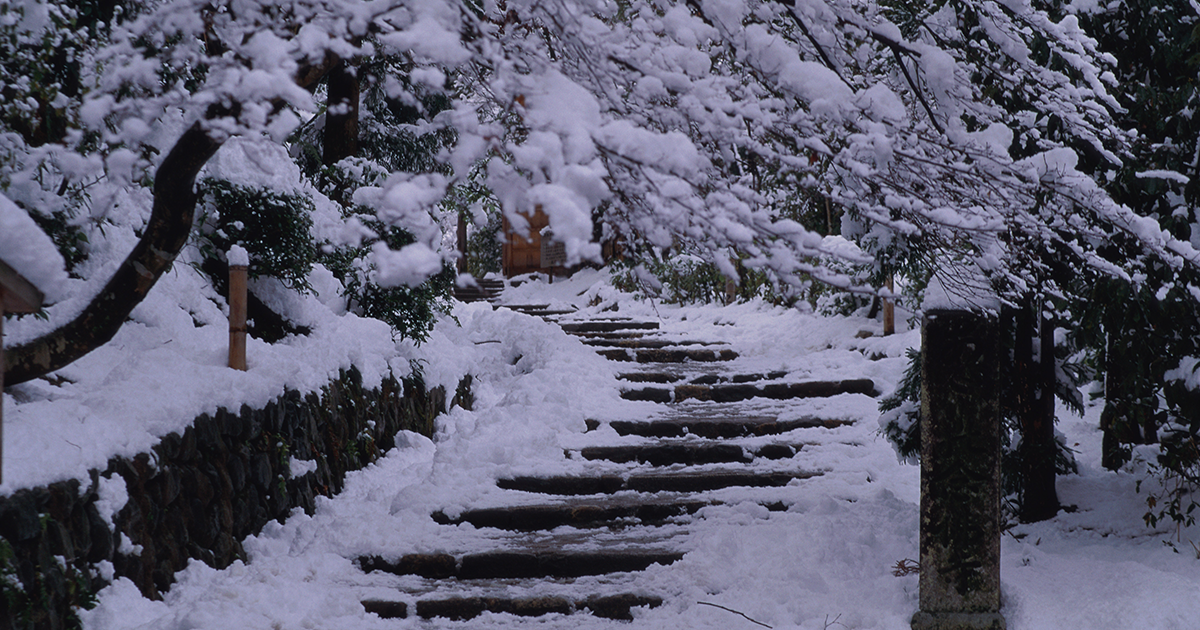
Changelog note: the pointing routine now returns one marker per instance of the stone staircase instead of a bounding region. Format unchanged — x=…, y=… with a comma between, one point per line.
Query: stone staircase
x=484, y=290
x=631, y=507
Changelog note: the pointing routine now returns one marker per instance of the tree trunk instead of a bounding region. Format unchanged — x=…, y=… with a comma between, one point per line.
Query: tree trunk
x=341, y=115
x=1039, y=448
x=165, y=234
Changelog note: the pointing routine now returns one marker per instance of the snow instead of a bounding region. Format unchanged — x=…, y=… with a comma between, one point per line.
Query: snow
x=161, y=371
x=824, y=562
x=27, y=249
x=237, y=256
x=1172, y=176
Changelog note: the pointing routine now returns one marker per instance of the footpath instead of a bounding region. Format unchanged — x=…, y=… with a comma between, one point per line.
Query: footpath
x=623, y=467
x=646, y=481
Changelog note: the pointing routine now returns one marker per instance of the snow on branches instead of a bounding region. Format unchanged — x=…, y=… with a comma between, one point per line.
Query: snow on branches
x=948, y=131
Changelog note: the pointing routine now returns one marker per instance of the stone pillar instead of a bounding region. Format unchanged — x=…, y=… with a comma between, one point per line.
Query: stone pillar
x=960, y=473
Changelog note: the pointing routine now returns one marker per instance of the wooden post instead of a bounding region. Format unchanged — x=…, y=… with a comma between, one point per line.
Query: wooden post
x=889, y=310
x=237, y=317
x=960, y=472
x=17, y=295
x=462, y=242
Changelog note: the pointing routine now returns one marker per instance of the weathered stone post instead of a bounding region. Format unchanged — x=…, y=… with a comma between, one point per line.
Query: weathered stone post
x=960, y=473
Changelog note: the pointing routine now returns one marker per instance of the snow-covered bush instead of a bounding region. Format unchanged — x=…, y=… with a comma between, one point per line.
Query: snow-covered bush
x=410, y=311
x=274, y=228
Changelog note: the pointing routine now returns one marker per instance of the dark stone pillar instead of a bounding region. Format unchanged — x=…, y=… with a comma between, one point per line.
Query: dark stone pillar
x=960, y=473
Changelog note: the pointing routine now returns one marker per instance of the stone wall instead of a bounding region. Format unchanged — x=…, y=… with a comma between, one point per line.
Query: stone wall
x=196, y=495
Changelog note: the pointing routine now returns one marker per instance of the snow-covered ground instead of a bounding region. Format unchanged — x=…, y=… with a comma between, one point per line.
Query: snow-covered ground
x=825, y=562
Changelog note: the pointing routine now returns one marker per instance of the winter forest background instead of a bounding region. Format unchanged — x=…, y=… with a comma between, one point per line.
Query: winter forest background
x=1044, y=152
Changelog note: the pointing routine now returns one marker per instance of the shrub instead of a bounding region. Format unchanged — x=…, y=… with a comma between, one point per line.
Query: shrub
x=274, y=228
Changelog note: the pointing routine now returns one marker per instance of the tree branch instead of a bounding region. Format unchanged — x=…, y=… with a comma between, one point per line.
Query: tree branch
x=165, y=234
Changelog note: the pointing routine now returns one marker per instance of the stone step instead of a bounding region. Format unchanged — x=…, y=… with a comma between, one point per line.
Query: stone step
x=617, y=607
x=513, y=564
x=536, y=310
x=703, y=379
x=734, y=392
x=688, y=454
x=717, y=428
x=610, y=335
x=607, y=326
x=667, y=355
x=650, y=377
x=606, y=511
x=644, y=343
x=682, y=481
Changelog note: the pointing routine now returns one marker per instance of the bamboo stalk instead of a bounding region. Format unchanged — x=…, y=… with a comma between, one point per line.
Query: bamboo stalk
x=237, y=317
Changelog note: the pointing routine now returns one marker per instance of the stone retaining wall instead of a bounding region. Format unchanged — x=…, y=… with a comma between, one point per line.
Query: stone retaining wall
x=195, y=495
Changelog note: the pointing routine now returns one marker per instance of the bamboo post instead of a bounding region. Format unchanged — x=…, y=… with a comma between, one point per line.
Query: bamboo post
x=889, y=310
x=237, y=316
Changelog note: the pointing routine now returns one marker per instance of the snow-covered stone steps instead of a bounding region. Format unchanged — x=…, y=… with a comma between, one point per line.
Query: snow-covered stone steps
x=669, y=481
x=710, y=378
x=688, y=453
x=548, y=562
x=606, y=511
x=481, y=290
x=619, y=606
x=714, y=428
x=536, y=310
x=643, y=342
x=667, y=355
x=734, y=392
x=611, y=335
x=607, y=326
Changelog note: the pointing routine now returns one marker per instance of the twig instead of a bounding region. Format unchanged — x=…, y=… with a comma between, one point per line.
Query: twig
x=736, y=612
x=835, y=621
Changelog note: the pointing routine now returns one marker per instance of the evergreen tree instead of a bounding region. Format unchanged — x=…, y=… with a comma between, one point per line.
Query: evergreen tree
x=1145, y=329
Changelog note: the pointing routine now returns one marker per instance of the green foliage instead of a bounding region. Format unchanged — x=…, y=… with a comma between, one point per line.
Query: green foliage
x=40, y=70
x=900, y=423
x=485, y=248
x=393, y=109
x=410, y=311
x=901, y=419
x=274, y=228
x=16, y=601
x=70, y=240
x=484, y=242
x=678, y=279
x=682, y=278
x=1177, y=469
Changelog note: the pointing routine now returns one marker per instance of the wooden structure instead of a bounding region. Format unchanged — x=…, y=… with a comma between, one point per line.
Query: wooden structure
x=17, y=295
x=522, y=252
x=237, y=316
